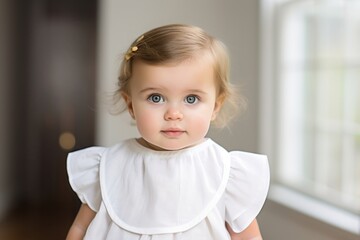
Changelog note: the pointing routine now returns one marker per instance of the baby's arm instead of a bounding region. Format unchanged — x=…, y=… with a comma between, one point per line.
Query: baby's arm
x=81, y=223
x=252, y=232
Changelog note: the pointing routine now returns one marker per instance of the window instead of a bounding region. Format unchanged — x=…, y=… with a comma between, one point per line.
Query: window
x=316, y=99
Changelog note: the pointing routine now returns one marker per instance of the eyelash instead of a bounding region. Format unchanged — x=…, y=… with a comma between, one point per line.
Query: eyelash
x=157, y=98
x=196, y=99
x=151, y=98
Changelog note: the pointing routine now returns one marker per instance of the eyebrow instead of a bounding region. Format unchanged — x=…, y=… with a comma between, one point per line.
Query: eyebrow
x=198, y=91
x=150, y=89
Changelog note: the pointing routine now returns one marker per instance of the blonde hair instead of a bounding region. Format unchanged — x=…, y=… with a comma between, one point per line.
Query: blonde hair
x=176, y=43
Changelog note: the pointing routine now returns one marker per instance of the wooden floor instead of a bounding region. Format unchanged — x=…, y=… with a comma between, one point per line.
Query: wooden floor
x=36, y=224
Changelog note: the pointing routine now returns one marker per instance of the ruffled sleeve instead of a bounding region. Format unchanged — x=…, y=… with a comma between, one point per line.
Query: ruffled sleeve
x=83, y=172
x=247, y=188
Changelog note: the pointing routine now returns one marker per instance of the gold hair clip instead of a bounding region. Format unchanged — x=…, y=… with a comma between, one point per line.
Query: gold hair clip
x=133, y=49
x=127, y=56
x=130, y=52
x=140, y=38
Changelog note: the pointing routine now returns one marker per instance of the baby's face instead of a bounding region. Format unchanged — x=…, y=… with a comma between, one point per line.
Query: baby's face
x=173, y=105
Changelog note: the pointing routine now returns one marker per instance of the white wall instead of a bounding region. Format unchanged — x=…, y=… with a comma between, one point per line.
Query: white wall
x=234, y=22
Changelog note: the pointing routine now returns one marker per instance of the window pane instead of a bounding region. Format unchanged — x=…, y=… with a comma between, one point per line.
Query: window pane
x=318, y=86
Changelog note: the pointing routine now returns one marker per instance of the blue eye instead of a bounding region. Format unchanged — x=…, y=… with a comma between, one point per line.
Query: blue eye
x=155, y=98
x=191, y=99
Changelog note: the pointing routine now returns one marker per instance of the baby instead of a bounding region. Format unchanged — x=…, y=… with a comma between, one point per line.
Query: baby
x=173, y=182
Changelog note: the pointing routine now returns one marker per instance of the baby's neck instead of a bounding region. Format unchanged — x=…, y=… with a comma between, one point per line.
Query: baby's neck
x=146, y=144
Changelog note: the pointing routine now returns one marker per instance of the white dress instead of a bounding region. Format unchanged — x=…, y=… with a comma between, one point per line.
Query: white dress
x=142, y=194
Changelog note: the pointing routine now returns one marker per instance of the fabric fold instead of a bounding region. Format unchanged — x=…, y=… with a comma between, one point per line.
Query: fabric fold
x=83, y=172
x=247, y=188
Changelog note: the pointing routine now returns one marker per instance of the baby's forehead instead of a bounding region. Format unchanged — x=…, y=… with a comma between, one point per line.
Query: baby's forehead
x=190, y=72
x=193, y=62
x=200, y=58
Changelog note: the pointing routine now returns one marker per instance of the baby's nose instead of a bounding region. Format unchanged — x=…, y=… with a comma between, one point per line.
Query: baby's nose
x=173, y=114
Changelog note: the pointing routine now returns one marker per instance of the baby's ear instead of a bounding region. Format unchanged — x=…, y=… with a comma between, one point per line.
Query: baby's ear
x=128, y=101
x=218, y=105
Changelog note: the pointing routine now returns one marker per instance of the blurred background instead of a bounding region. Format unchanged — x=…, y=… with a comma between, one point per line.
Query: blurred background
x=296, y=61
x=48, y=72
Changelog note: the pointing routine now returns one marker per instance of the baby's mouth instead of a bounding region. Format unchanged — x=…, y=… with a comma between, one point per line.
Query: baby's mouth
x=173, y=132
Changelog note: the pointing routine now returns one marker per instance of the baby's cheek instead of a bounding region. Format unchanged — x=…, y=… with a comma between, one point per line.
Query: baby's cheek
x=201, y=123
x=145, y=112
x=145, y=119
